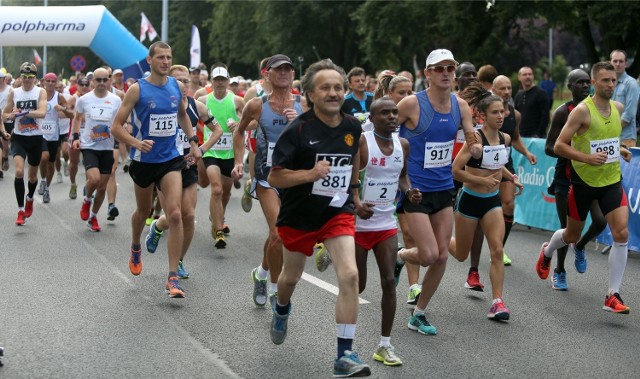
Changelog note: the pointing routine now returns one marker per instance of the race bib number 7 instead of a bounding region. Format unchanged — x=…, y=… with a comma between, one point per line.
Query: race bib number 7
x=163, y=125
x=611, y=146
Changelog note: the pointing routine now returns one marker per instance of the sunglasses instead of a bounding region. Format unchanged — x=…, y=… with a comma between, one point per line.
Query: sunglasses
x=83, y=84
x=28, y=76
x=441, y=69
x=101, y=80
x=184, y=81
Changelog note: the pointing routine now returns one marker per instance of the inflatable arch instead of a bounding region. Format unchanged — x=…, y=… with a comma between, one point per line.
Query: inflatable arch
x=90, y=26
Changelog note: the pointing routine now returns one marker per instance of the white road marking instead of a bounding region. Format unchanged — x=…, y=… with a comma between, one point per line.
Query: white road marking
x=327, y=286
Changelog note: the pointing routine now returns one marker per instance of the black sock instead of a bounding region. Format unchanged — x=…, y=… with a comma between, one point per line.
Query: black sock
x=18, y=183
x=32, y=188
x=344, y=344
x=472, y=269
x=508, y=223
x=172, y=273
x=283, y=310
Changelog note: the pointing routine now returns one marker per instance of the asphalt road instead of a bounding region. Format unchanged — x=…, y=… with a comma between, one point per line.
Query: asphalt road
x=69, y=308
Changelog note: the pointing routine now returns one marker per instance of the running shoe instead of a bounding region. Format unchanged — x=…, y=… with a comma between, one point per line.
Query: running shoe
x=613, y=303
x=272, y=299
x=65, y=167
x=21, y=218
x=85, y=210
x=46, y=197
x=499, y=312
x=153, y=237
x=259, y=289
x=43, y=185
x=542, y=266
x=93, y=224
x=387, y=355
x=135, y=262
x=28, y=207
x=322, y=258
x=59, y=177
x=113, y=212
x=73, y=191
x=218, y=239
x=173, y=288
x=245, y=200
x=473, y=282
x=581, y=258
x=278, y=329
x=150, y=219
x=182, y=272
x=349, y=365
x=5, y=164
x=398, y=269
x=225, y=229
x=506, y=260
x=559, y=281
x=420, y=324
x=1, y=174
x=414, y=294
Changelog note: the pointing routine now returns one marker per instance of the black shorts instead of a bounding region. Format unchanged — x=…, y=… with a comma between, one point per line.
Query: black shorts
x=116, y=144
x=581, y=196
x=189, y=176
x=100, y=159
x=475, y=205
x=8, y=126
x=28, y=147
x=509, y=166
x=51, y=147
x=561, y=181
x=226, y=165
x=432, y=202
x=146, y=174
x=64, y=138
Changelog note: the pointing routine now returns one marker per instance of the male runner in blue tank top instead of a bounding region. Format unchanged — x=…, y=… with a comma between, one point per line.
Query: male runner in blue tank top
x=158, y=110
x=271, y=114
x=429, y=121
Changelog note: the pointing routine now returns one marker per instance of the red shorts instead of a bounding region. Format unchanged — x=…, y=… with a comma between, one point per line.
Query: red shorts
x=303, y=240
x=368, y=240
x=252, y=141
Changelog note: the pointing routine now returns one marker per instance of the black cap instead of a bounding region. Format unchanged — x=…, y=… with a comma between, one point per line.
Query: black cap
x=28, y=68
x=278, y=60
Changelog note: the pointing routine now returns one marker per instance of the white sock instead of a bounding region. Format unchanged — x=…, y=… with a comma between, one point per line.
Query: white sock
x=414, y=286
x=262, y=273
x=88, y=199
x=497, y=300
x=347, y=331
x=418, y=311
x=385, y=341
x=273, y=288
x=555, y=243
x=617, y=263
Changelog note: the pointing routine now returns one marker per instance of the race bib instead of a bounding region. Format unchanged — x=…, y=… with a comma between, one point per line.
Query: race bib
x=336, y=181
x=163, y=125
x=225, y=142
x=379, y=191
x=270, y=148
x=49, y=128
x=100, y=113
x=437, y=154
x=611, y=146
x=494, y=157
x=460, y=136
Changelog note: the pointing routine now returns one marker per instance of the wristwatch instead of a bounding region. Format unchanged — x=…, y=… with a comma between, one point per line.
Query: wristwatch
x=194, y=138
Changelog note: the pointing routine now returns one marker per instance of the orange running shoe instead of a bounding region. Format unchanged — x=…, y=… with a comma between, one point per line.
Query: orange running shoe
x=173, y=288
x=542, y=266
x=93, y=224
x=85, y=210
x=135, y=262
x=28, y=208
x=21, y=219
x=613, y=303
x=473, y=282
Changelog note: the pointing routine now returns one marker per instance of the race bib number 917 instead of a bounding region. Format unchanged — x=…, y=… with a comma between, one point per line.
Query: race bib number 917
x=437, y=154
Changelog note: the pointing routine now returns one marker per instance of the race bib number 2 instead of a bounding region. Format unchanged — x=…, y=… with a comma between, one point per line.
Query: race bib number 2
x=163, y=125
x=611, y=146
x=379, y=191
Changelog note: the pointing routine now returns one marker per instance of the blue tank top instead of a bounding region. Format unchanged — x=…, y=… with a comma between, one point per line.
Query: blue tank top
x=270, y=127
x=431, y=145
x=155, y=117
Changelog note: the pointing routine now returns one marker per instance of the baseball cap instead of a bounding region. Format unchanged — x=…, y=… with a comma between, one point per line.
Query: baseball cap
x=117, y=71
x=219, y=71
x=3, y=73
x=278, y=60
x=28, y=68
x=50, y=76
x=440, y=55
x=194, y=69
x=234, y=80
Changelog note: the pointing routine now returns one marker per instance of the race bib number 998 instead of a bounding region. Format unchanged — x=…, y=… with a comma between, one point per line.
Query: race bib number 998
x=611, y=146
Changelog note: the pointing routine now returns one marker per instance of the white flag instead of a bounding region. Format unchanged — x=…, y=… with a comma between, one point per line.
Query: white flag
x=195, y=47
x=146, y=28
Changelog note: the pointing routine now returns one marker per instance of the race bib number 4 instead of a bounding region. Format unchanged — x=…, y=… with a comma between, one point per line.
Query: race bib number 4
x=225, y=142
x=163, y=125
x=494, y=157
x=335, y=182
x=379, y=191
x=437, y=154
x=610, y=146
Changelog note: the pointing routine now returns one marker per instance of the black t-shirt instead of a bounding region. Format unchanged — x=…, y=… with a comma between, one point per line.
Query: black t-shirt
x=303, y=143
x=534, y=108
x=354, y=107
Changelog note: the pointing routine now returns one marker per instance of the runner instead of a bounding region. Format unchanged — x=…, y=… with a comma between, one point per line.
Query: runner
x=84, y=87
x=26, y=106
x=314, y=161
x=268, y=114
x=578, y=83
x=97, y=110
x=591, y=140
x=479, y=202
x=8, y=125
x=156, y=161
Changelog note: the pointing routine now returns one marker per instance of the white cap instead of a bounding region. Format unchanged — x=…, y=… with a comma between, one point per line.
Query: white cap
x=235, y=80
x=117, y=71
x=440, y=55
x=219, y=71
